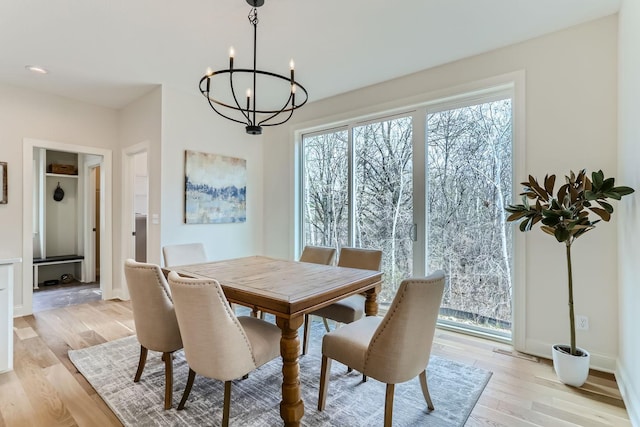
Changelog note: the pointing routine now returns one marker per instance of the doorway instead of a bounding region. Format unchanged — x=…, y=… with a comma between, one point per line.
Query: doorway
x=90, y=254
x=136, y=201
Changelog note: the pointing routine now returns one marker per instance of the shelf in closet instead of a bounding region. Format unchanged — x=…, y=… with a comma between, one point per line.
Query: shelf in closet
x=61, y=175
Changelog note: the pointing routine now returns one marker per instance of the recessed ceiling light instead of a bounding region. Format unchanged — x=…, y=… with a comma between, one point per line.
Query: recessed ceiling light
x=36, y=69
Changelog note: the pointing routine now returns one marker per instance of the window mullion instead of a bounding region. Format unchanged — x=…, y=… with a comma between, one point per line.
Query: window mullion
x=351, y=156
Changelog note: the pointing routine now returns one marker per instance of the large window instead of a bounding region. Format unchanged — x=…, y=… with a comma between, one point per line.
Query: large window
x=469, y=168
x=365, y=185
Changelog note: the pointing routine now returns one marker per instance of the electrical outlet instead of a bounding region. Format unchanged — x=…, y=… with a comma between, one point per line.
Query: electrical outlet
x=582, y=323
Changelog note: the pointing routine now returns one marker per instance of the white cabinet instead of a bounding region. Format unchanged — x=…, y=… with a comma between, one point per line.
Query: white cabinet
x=6, y=313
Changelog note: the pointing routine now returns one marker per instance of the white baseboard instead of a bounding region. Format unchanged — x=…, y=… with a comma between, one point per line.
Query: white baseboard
x=120, y=294
x=630, y=395
x=599, y=362
x=20, y=310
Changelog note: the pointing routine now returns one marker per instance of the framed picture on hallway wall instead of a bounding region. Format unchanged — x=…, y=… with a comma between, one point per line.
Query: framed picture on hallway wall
x=215, y=189
x=3, y=183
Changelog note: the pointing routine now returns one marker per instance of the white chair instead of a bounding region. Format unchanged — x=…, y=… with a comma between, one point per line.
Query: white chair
x=154, y=318
x=217, y=344
x=393, y=349
x=189, y=253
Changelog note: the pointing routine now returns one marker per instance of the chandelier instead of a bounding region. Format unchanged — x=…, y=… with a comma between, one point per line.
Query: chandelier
x=250, y=113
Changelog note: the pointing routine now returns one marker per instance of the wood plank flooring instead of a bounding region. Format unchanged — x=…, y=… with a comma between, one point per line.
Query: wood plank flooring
x=45, y=389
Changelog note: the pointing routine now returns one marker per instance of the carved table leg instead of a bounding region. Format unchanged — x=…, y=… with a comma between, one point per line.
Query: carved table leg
x=371, y=302
x=291, y=407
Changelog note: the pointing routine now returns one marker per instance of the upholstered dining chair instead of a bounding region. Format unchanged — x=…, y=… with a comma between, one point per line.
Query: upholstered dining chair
x=392, y=349
x=316, y=255
x=349, y=309
x=183, y=254
x=154, y=318
x=217, y=344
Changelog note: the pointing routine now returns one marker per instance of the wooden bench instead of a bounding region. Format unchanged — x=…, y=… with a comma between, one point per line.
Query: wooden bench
x=53, y=260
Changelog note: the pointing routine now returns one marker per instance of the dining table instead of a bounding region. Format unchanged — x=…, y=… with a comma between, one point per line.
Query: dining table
x=288, y=290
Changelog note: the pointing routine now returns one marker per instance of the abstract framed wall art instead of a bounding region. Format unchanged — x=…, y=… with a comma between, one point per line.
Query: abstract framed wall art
x=215, y=189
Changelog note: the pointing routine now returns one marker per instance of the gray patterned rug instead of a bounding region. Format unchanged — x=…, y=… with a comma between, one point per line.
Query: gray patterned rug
x=110, y=367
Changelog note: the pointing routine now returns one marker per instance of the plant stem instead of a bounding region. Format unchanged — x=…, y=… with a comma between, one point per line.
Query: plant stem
x=572, y=324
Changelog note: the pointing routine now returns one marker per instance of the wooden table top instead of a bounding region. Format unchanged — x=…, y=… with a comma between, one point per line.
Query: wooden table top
x=281, y=287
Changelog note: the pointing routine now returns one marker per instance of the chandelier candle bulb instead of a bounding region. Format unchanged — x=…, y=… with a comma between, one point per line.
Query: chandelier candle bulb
x=231, y=55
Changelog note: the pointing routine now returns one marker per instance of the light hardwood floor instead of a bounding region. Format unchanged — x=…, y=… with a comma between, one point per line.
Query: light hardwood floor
x=44, y=389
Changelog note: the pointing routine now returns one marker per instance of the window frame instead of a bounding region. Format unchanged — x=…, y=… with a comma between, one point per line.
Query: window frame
x=512, y=84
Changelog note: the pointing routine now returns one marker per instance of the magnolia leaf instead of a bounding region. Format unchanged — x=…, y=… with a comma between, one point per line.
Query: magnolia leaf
x=623, y=191
x=607, y=207
x=540, y=192
x=574, y=194
x=612, y=195
x=587, y=184
x=597, y=178
x=548, y=230
x=523, y=226
x=562, y=234
x=607, y=184
x=601, y=213
x=517, y=215
x=590, y=195
x=562, y=192
x=549, y=183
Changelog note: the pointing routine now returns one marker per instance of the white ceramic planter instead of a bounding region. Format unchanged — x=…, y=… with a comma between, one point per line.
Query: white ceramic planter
x=571, y=370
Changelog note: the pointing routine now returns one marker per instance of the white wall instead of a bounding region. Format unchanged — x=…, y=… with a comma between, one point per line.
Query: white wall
x=30, y=114
x=571, y=83
x=628, y=372
x=190, y=124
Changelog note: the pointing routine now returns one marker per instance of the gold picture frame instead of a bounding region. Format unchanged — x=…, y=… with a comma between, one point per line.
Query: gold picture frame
x=3, y=183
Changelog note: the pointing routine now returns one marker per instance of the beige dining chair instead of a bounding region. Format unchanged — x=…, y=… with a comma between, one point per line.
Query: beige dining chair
x=183, y=254
x=349, y=309
x=392, y=349
x=217, y=344
x=316, y=255
x=154, y=318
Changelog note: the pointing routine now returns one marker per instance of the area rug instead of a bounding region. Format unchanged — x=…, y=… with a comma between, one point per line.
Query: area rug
x=110, y=368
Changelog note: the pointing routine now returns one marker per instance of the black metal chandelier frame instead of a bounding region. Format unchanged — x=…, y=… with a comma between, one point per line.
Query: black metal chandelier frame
x=250, y=112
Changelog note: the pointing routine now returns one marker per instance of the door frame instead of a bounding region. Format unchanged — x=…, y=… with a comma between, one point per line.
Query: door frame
x=106, y=197
x=89, y=211
x=128, y=203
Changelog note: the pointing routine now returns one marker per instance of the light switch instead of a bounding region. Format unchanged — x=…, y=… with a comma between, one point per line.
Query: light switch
x=155, y=218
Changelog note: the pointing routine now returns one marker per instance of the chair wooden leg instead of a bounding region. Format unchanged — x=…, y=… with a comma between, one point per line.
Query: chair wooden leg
x=305, y=339
x=364, y=378
x=388, y=405
x=324, y=382
x=141, y=362
x=227, y=404
x=168, y=379
x=425, y=389
x=326, y=324
x=187, y=389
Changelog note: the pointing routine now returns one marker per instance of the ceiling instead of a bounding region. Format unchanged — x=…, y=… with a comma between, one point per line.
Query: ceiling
x=110, y=52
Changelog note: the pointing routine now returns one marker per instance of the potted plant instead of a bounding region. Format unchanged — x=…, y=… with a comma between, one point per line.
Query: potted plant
x=566, y=215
